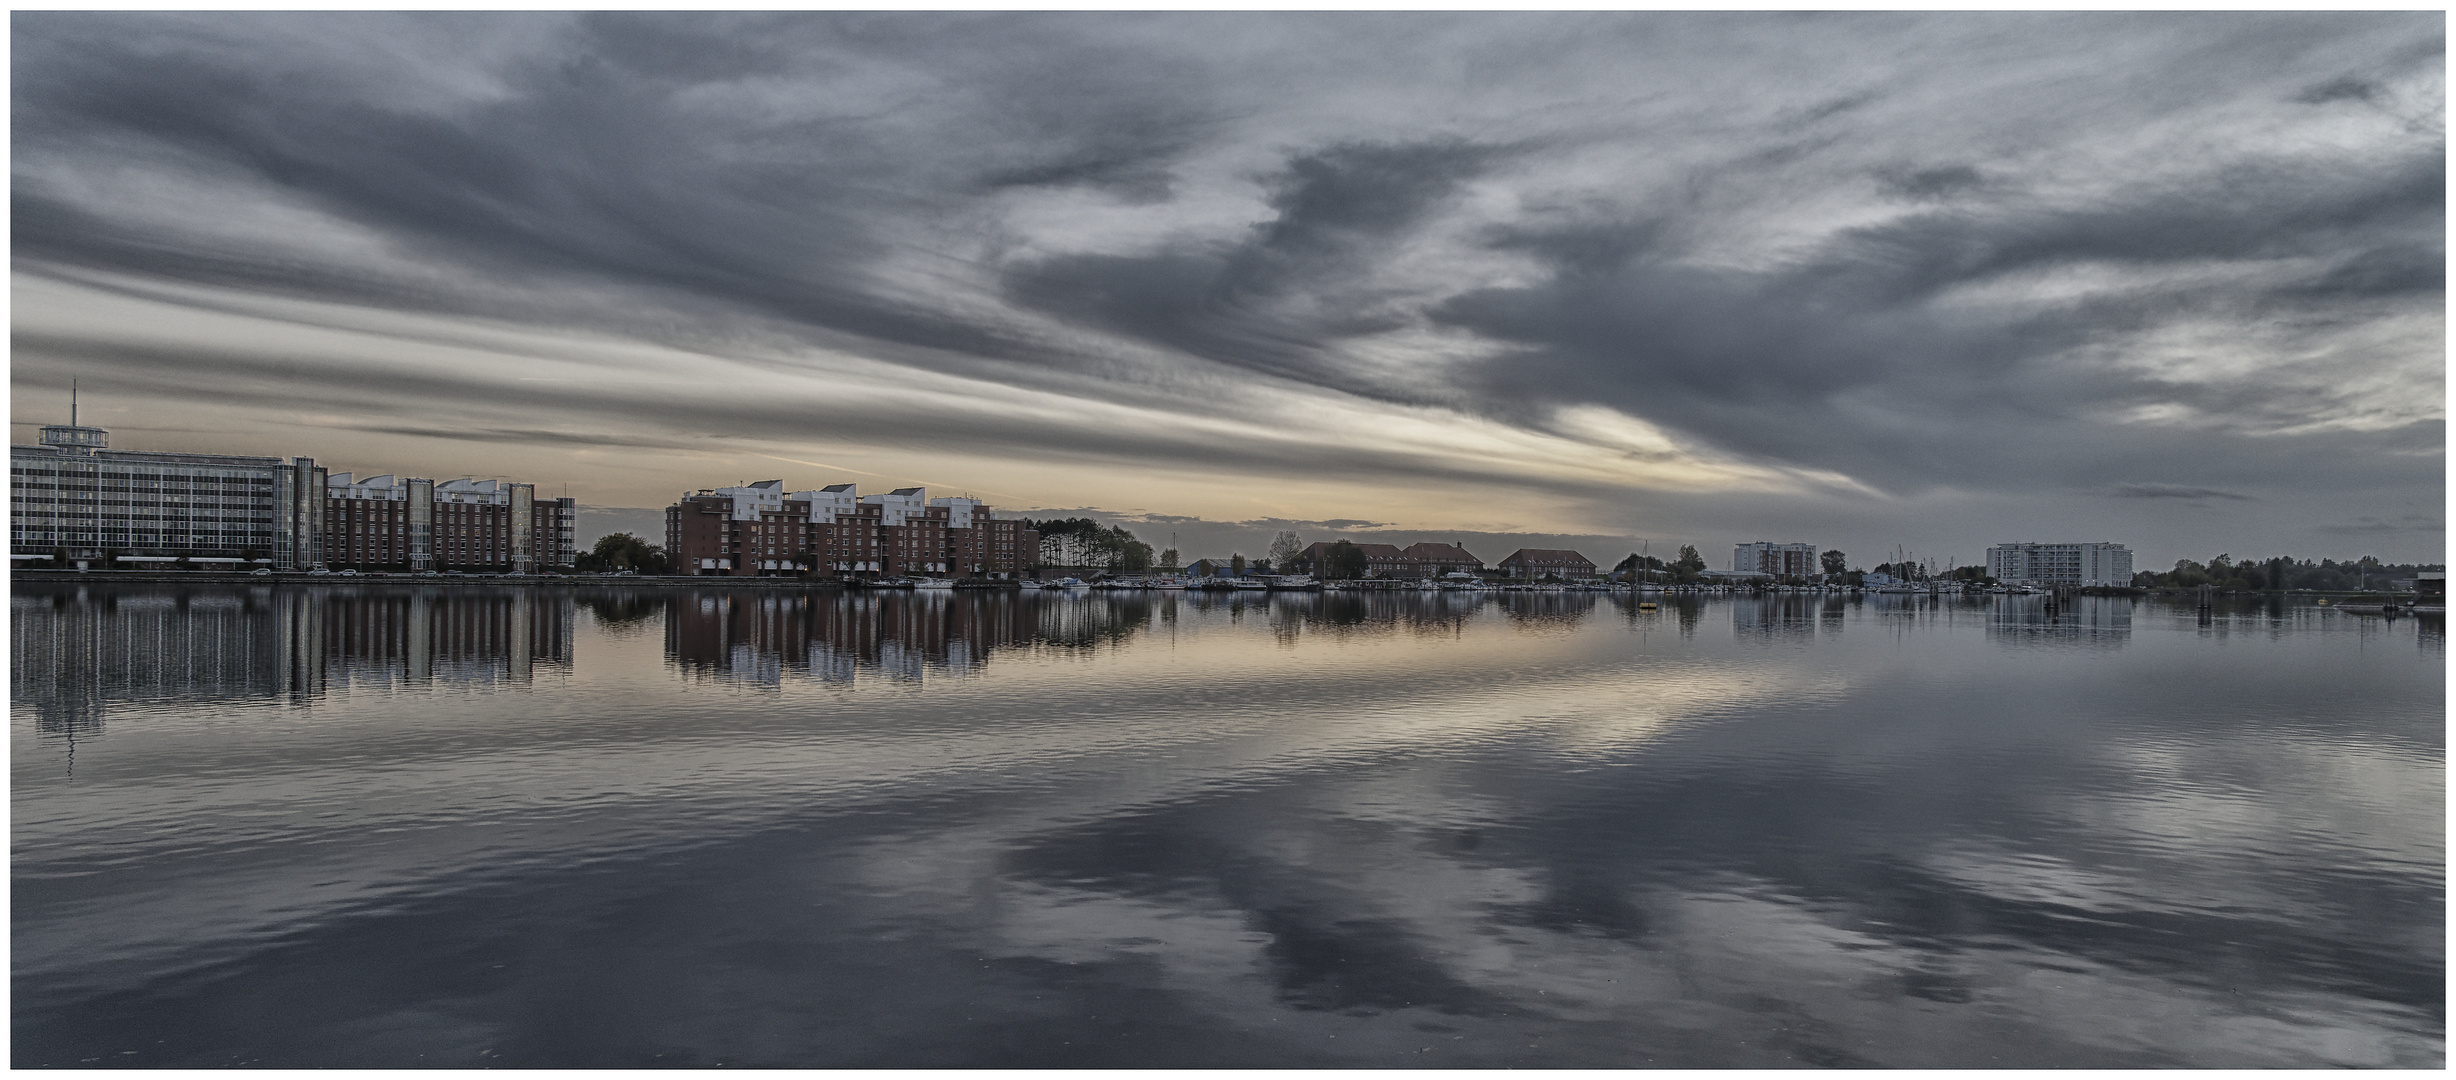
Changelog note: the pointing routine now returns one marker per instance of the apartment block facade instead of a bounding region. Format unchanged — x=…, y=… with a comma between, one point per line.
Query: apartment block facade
x=1780, y=560
x=409, y=523
x=72, y=494
x=2060, y=564
x=762, y=530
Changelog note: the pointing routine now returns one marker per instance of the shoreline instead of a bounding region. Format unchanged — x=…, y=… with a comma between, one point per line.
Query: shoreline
x=669, y=581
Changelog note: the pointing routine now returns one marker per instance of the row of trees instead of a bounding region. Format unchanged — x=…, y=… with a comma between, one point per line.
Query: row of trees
x=1087, y=543
x=2281, y=572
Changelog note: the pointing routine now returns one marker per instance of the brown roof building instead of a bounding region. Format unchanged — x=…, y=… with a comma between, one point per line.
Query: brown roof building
x=1434, y=560
x=1380, y=560
x=1533, y=563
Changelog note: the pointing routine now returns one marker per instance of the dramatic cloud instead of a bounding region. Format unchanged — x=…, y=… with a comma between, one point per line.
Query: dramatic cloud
x=1862, y=280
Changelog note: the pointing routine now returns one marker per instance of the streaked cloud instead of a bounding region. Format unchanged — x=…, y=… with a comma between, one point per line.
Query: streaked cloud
x=1850, y=277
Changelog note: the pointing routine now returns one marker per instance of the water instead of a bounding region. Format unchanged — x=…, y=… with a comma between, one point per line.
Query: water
x=383, y=826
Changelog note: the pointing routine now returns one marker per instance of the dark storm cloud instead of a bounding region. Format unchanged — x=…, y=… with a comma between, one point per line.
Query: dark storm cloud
x=1277, y=300
x=1759, y=362
x=2173, y=491
x=1980, y=253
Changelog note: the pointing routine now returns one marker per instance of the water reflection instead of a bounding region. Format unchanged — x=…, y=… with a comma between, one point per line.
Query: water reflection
x=766, y=636
x=1227, y=830
x=77, y=652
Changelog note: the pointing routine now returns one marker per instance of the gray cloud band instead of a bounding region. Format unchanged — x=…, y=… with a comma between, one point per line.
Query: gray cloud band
x=1968, y=272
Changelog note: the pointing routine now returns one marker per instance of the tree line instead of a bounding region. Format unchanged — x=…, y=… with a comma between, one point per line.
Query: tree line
x=2282, y=572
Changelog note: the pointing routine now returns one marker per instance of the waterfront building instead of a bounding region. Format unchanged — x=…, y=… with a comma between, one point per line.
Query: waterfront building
x=1434, y=560
x=1531, y=563
x=1380, y=560
x=762, y=530
x=1778, y=560
x=2060, y=564
x=408, y=523
x=73, y=495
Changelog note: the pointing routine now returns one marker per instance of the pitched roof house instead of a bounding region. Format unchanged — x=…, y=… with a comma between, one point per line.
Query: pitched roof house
x=1537, y=562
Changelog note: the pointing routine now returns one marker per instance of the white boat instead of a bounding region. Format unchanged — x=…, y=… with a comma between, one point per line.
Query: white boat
x=933, y=583
x=1254, y=584
x=1171, y=582
x=1068, y=583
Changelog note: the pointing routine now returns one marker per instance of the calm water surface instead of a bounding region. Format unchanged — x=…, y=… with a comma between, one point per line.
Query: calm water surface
x=385, y=826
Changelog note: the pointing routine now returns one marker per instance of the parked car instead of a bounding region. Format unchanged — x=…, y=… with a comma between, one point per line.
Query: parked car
x=349, y=573
x=319, y=572
x=262, y=571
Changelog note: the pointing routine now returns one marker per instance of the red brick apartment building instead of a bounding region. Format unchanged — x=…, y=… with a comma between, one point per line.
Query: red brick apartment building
x=760, y=530
x=1536, y=562
x=407, y=523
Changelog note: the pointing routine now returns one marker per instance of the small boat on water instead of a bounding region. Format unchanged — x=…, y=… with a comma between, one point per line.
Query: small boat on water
x=933, y=583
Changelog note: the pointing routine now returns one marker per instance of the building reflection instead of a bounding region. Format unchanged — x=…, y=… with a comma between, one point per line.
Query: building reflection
x=765, y=637
x=79, y=653
x=1777, y=617
x=2097, y=620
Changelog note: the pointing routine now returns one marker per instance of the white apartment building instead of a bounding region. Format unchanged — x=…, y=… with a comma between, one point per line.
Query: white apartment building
x=2060, y=564
x=1780, y=560
x=895, y=507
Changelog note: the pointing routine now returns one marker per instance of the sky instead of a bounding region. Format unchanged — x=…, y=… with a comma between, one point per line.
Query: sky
x=1616, y=280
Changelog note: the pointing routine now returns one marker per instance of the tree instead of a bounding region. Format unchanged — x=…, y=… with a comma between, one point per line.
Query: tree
x=1834, y=562
x=1285, y=547
x=1236, y=564
x=1690, y=560
x=620, y=551
x=1639, y=567
x=1343, y=560
x=1135, y=559
x=1168, y=559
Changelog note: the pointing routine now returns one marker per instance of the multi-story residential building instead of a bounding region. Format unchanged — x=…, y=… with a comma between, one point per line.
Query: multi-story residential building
x=760, y=529
x=2060, y=564
x=1537, y=562
x=73, y=495
x=416, y=524
x=1434, y=560
x=1779, y=560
